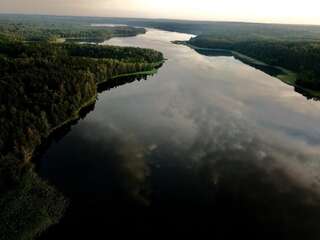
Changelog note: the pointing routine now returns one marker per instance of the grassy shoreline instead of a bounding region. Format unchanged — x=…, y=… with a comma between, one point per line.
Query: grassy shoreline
x=135, y=74
x=142, y=73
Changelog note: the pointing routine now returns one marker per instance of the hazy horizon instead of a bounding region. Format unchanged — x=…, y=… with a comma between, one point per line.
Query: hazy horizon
x=286, y=12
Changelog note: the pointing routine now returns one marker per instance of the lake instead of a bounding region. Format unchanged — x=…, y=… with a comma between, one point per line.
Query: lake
x=208, y=145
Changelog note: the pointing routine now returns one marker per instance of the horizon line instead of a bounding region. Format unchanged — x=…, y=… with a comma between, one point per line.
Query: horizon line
x=166, y=19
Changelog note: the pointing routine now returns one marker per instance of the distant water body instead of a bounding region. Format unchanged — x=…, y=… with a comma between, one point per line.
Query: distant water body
x=209, y=146
x=108, y=25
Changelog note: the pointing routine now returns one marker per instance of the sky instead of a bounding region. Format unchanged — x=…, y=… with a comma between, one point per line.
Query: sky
x=275, y=11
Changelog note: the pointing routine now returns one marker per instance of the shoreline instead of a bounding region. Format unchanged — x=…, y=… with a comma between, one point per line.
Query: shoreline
x=288, y=77
x=73, y=117
x=156, y=66
x=76, y=114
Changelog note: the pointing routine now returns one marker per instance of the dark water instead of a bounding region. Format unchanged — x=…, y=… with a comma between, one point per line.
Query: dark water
x=209, y=146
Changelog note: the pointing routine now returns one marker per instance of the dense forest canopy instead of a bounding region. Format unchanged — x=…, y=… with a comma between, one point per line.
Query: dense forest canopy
x=53, y=73
x=41, y=28
x=42, y=86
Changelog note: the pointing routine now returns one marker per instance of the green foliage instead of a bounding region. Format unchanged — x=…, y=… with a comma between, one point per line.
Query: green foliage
x=30, y=208
x=125, y=54
x=239, y=31
x=51, y=29
x=42, y=85
x=300, y=57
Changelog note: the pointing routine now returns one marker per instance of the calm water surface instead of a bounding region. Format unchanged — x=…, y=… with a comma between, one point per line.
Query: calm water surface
x=208, y=145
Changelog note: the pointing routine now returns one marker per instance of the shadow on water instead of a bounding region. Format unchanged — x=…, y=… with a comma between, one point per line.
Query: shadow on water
x=306, y=94
x=118, y=82
x=61, y=132
x=202, y=191
x=224, y=197
x=268, y=69
x=221, y=186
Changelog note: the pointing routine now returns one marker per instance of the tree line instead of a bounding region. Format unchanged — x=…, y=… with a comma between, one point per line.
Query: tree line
x=302, y=57
x=24, y=29
x=41, y=86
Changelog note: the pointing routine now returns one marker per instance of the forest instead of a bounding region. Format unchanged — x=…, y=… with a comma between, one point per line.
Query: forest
x=234, y=30
x=301, y=57
x=57, y=29
x=43, y=86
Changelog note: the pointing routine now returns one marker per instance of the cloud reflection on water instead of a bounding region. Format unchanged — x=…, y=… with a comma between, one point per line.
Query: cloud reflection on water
x=221, y=137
